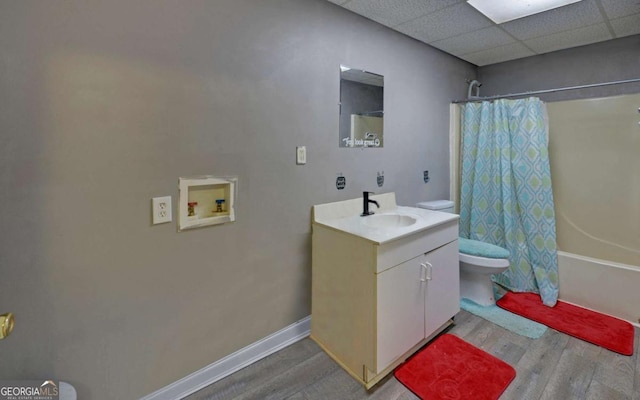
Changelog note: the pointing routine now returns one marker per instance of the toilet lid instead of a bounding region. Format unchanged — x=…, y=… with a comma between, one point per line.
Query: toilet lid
x=481, y=249
x=436, y=204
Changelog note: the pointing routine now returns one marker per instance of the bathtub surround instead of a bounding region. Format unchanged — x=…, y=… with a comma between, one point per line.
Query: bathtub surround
x=505, y=195
x=597, y=205
x=105, y=104
x=597, y=211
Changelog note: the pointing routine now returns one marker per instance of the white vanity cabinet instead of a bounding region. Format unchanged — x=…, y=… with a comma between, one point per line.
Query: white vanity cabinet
x=414, y=300
x=374, y=303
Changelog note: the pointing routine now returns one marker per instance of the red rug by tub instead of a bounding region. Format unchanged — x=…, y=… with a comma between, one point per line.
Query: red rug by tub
x=450, y=368
x=602, y=330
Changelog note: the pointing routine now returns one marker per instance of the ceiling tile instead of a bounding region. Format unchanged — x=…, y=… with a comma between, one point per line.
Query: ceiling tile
x=572, y=38
x=620, y=8
x=439, y=25
x=626, y=26
x=561, y=19
x=498, y=54
x=476, y=41
x=395, y=12
x=459, y=29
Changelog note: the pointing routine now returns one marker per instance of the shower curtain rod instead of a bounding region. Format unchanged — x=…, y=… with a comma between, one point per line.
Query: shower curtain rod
x=500, y=96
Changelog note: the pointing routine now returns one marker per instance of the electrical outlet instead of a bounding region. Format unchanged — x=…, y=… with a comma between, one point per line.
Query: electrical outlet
x=301, y=155
x=161, y=209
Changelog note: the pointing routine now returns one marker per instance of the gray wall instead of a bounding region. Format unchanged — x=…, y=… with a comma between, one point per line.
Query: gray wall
x=613, y=60
x=104, y=104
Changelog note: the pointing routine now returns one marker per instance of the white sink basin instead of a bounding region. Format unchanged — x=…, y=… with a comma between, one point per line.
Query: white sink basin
x=388, y=221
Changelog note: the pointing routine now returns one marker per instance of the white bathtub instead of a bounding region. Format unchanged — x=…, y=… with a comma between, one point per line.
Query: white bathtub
x=599, y=285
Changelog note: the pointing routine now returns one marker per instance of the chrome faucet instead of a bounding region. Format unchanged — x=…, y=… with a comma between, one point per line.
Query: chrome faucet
x=365, y=204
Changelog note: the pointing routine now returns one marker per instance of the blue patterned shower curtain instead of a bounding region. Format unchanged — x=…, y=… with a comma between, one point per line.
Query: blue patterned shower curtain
x=505, y=194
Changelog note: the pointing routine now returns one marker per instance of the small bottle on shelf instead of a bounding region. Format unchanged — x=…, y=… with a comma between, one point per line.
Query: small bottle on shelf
x=190, y=208
x=219, y=207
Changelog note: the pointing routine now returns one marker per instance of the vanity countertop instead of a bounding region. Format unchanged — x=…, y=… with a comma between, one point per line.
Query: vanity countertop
x=356, y=224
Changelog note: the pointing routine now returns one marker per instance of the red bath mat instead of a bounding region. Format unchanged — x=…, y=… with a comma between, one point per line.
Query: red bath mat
x=450, y=368
x=603, y=330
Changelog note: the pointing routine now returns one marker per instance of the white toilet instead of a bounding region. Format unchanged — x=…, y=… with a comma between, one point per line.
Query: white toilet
x=478, y=261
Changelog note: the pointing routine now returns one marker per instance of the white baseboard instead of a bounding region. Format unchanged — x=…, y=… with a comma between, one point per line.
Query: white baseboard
x=234, y=362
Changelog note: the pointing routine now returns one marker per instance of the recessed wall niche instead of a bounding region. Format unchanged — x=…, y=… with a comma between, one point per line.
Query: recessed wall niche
x=206, y=200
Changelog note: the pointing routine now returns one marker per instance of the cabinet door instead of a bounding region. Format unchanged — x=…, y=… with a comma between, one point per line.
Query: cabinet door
x=400, y=311
x=443, y=286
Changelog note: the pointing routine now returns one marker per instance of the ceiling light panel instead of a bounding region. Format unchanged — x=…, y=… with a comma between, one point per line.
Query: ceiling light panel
x=503, y=11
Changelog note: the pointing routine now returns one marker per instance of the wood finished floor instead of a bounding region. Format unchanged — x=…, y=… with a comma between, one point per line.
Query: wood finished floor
x=553, y=367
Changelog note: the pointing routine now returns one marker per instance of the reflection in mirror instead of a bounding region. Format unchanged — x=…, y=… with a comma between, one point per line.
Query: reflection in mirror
x=361, y=108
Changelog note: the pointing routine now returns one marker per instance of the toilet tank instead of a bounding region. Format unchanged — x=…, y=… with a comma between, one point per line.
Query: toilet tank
x=438, y=205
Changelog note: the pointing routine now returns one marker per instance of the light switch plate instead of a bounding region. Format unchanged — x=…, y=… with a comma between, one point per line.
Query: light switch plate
x=161, y=209
x=301, y=155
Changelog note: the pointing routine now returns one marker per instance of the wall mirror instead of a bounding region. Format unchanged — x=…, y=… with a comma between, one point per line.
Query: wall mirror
x=361, y=108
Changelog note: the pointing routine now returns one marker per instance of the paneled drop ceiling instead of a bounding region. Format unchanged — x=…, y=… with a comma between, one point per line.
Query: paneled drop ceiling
x=459, y=29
